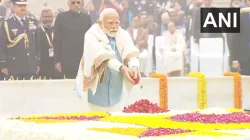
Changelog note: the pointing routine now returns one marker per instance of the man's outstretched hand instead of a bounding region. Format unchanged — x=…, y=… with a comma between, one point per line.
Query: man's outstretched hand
x=127, y=73
x=136, y=75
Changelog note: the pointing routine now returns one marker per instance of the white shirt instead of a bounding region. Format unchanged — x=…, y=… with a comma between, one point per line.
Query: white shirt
x=135, y=31
x=19, y=19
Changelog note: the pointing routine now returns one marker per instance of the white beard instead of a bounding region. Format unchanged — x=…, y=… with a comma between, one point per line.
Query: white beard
x=111, y=34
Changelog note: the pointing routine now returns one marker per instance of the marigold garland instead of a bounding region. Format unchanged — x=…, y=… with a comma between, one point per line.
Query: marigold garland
x=233, y=110
x=202, y=89
x=237, y=89
x=163, y=89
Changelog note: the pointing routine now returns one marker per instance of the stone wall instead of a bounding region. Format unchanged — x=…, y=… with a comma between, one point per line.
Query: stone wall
x=57, y=96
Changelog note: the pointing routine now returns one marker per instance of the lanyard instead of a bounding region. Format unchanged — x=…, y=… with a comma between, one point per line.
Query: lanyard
x=249, y=19
x=47, y=36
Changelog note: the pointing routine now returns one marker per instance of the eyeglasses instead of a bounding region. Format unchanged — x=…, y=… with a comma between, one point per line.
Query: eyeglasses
x=75, y=2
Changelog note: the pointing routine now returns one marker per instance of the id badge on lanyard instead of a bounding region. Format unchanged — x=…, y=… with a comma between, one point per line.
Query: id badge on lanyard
x=51, y=49
x=51, y=52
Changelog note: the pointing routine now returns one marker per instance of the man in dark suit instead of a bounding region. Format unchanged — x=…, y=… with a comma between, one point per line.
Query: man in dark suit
x=240, y=45
x=18, y=57
x=70, y=28
x=45, y=36
x=1, y=21
x=197, y=24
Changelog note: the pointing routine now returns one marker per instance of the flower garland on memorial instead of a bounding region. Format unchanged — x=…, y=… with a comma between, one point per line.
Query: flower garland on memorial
x=163, y=89
x=63, y=118
x=208, y=124
x=207, y=133
x=237, y=89
x=165, y=124
x=202, y=89
x=146, y=132
x=194, y=124
x=144, y=106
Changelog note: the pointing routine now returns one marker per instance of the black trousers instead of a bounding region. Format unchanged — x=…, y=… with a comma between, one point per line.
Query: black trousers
x=47, y=70
x=245, y=68
x=48, y=76
x=26, y=76
x=1, y=76
x=70, y=74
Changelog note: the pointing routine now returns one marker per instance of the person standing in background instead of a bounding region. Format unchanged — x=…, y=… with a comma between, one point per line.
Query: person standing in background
x=69, y=31
x=240, y=45
x=1, y=21
x=18, y=54
x=45, y=36
x=197, y=22
x=233, y=4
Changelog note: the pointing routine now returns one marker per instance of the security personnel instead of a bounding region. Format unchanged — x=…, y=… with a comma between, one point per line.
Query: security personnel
x=18, y=55
x=1, y=21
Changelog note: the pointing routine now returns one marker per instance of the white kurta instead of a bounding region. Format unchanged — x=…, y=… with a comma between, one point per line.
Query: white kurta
x=173, y=60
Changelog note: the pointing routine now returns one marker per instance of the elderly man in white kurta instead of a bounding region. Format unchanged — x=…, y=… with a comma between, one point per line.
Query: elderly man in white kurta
x=173, y=50
x=110, y=59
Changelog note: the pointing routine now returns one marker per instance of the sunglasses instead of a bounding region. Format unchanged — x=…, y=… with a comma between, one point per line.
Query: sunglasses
x=75, y=2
